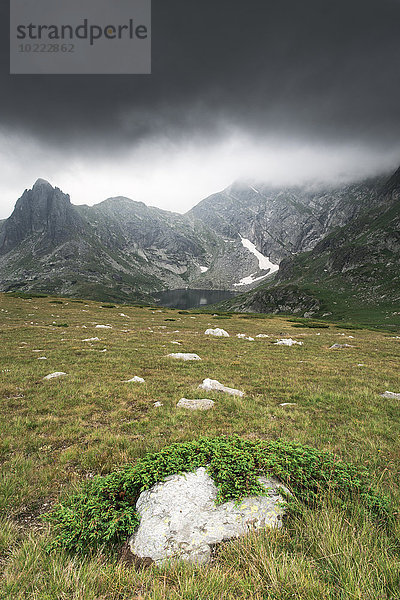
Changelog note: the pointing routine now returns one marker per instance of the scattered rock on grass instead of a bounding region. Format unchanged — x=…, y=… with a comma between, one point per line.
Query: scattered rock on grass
x=180, y=520
x=243, y=336
x=184, y=356
x=213, y=384
x=288, y=404
x=158, y=404
x=103, y=327
x=340, y=346
x=197, y=404
x=217, y=332
x=134, y=379
x=391, y=395
x=262, y=335
x=287, y=342
x=93, y=339
x=54, y=375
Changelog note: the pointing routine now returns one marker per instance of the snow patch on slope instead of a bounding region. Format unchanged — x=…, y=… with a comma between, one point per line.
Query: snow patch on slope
x=264, y=264
x=263, y=261
x=250, y=279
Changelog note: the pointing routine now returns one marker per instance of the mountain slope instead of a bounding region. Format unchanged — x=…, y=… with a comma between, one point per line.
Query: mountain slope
x=352, y=272
x=282, y=222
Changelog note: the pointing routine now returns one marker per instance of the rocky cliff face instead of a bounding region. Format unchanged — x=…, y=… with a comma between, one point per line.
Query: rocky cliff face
x=351, y=270
x=43, y=212
x=284, y=222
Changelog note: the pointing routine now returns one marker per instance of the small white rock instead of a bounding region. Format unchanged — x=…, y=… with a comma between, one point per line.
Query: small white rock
x=391, y=395
x=213, y=384
x=42, y=357
x=158, y=404
x=197, y=404
x=287, y=342
x=262, y=335
x=135, y=379
x=217, y=332
x=340, y=346
x=93, y=339
x=53, y=375
x=103, y=327
x=288, y=404
x=184, y=356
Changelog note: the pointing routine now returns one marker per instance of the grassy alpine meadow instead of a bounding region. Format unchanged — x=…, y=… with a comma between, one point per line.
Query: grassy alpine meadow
x=58, y=433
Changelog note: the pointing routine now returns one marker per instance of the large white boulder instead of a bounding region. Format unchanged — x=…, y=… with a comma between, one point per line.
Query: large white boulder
x=180, y=520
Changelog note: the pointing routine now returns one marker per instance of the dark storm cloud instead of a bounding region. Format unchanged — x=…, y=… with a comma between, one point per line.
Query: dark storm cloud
x=313, y=69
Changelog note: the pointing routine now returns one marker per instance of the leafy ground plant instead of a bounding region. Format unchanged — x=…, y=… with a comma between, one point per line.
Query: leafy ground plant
x=103, y=511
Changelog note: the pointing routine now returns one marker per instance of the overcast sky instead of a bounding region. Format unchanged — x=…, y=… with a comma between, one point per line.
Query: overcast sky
x=281, y=91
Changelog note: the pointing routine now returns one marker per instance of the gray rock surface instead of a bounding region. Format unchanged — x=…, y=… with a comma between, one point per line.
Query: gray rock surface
x=196, y=404
x=391, y=395
x=213, y=384
x=184, y=356
x=217, y=332
x=180, y=520
x=340, y=346
x=54, y=375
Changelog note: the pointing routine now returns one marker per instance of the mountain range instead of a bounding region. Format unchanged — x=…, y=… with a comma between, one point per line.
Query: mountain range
x=304, y=245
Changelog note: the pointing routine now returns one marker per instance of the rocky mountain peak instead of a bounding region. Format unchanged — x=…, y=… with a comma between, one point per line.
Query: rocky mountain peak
x=42, y=210
x=42, y=183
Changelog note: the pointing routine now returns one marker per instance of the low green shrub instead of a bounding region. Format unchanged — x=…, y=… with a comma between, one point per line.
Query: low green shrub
x=311, y=325
x=26, y=295
x=255, y=316
x=103, y=511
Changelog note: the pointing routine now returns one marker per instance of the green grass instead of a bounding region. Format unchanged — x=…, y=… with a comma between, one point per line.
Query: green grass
x=59, y=433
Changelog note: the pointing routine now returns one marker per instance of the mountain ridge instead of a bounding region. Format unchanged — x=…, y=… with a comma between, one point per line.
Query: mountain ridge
x=122, y=249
